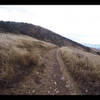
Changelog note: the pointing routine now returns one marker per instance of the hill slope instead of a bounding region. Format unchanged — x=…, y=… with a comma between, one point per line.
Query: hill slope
x=41, y=34
x=34, y=67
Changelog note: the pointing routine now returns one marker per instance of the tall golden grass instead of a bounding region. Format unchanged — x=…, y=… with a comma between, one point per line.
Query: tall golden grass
x=19, y=54
x=84, y=68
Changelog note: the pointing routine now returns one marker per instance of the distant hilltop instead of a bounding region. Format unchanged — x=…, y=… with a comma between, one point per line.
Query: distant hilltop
x=97, y=46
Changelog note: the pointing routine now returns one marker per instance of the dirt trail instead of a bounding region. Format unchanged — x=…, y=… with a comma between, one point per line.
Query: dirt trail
x=63, y=83
x=57, y=76
x=70, y=83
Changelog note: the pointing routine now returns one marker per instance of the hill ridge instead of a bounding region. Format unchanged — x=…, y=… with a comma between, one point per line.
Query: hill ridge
x=40, y=33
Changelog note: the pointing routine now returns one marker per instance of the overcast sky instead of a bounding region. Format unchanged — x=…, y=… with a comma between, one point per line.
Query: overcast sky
x=80, y=23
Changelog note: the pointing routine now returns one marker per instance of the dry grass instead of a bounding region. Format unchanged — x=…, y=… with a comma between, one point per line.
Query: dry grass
x=84, y=68
x=19, y=54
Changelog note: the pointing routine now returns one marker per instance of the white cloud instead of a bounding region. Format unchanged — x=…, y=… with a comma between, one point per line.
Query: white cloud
x=78, y=22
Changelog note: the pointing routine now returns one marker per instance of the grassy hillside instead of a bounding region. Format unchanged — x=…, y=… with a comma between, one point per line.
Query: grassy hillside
x=41, y=34
x=19, y=54
x=34, y=60
x=84, y=68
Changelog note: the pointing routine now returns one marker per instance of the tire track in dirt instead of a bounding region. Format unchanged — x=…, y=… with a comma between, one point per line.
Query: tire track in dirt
x=70, y=83
x=59, y=82
x=62, y=82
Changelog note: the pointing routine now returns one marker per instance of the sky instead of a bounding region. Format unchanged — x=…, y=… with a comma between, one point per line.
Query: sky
x=80, y=23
